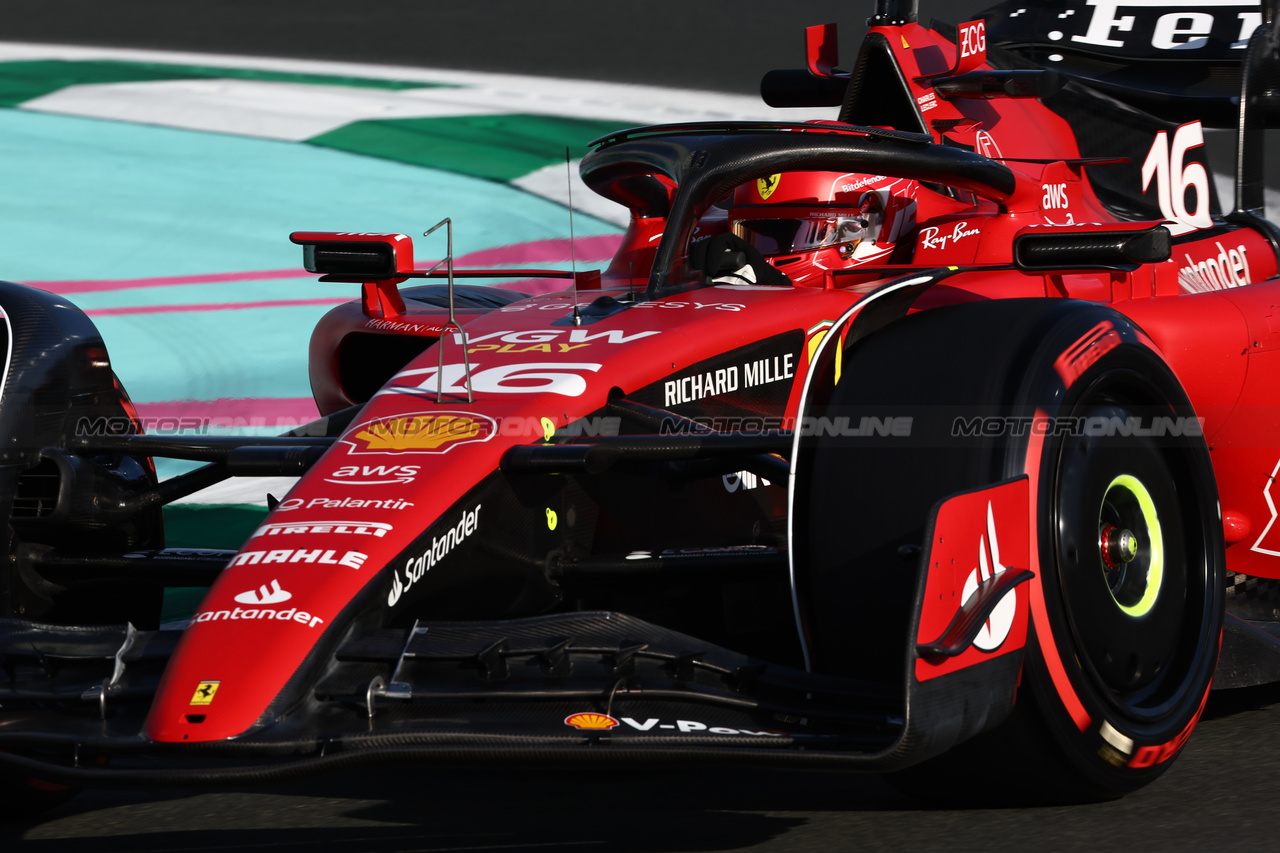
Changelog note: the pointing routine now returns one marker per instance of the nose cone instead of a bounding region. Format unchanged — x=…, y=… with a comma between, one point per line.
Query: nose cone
x=230, y=666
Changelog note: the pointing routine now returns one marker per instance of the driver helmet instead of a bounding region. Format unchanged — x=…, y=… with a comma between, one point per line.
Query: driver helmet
x=810, y=223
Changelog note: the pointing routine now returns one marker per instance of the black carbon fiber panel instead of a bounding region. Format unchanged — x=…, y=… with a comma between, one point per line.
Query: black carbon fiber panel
x=1253, y=598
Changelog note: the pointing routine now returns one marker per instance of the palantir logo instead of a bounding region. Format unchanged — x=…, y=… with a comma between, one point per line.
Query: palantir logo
x=996, y=628
x=264, y=595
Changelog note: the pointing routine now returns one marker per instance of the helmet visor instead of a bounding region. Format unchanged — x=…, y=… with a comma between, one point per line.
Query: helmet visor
x=787, y=236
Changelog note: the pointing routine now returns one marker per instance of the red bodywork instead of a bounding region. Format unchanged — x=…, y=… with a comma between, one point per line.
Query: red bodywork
x=349, y=535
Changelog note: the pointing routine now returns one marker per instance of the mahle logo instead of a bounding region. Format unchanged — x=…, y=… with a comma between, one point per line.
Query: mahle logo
x=420, y=432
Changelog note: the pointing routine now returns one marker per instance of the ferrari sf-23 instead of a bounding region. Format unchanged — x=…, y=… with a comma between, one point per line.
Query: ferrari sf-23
x=935, y=439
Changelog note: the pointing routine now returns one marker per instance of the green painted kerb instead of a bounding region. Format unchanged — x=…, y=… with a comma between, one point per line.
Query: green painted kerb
x=224, y=526
x=24, y=80
x=497, y=147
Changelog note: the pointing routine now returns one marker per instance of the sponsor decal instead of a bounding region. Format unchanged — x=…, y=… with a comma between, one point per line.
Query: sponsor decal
x=293, y=614
x=766, y=370
x=343, y=503
x=725, y=380
x=372, y=475
x=973, y=39
x=993, y=632
x=533, y=305
x=862, y=183
x=548, y=428
x=418, y=432
x=1229, y=268
x=699, y=385
x=401, y=326
x=1055, y=197
x=986, y=145
x=767, y=185
x=716, y=306
x=265, y=594
x=933, y=237
x=352, y=559
x=552, y=519
x=205, y=692
x=441, y=545
x=1082, y=354
x=546, y=340
x=543, y=377
x=744, y=480
x=692, y=727
x=591, y=722
x=1190, y=29
x=353, y=528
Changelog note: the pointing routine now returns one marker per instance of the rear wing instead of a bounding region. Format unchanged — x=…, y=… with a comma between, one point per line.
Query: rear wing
x=1125, y=74
x=1180, y=61
x=1214, y=61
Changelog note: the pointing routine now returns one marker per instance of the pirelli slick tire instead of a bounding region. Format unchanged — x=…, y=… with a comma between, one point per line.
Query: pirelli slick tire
x=1128, y=594
x=56, y=383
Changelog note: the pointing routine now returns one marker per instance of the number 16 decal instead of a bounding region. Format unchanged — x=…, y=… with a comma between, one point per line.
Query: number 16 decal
x=1173, y=177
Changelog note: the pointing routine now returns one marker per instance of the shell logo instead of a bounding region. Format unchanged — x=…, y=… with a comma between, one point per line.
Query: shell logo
x=591, y=721
x=420, y=432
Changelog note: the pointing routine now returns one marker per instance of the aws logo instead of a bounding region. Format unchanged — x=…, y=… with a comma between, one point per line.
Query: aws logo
x=766, y=186
x=373, y=475
x=419, y=432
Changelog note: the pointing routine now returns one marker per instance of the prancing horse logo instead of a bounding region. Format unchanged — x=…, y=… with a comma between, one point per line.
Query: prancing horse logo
x=766, y=186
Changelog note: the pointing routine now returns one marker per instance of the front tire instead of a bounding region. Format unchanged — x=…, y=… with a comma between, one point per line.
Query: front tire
x=1127, y=598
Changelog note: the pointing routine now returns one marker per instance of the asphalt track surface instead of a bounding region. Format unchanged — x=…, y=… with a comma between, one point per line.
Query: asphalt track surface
x=1216, y=796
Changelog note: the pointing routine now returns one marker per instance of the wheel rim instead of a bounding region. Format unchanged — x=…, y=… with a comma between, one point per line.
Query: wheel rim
x=1131, y=545
x=1131, y=581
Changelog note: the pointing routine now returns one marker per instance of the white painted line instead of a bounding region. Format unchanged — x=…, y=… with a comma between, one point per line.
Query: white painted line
x=285, y=111
x=511, y=92
x=550, y=182
x=248, y=491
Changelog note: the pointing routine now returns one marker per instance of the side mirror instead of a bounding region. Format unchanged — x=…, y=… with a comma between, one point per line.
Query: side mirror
x=1100, y=247
x=353, y=256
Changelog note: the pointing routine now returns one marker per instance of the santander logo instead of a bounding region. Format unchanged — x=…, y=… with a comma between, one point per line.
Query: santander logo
x=996, y=628
x=265, y=595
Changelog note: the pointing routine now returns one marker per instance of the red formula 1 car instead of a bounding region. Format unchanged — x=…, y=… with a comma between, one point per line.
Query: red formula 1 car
x=928, y=436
